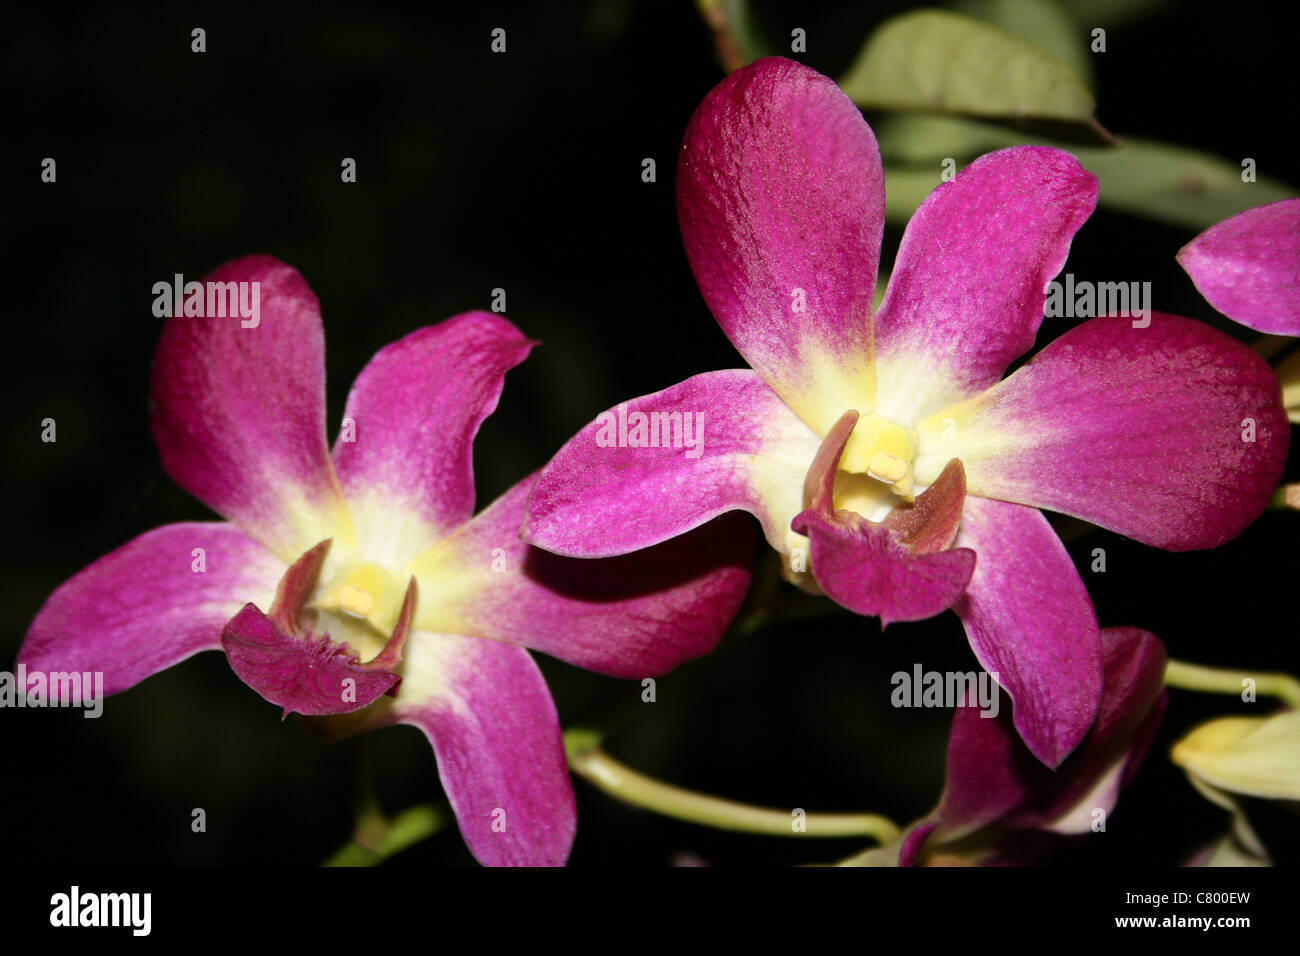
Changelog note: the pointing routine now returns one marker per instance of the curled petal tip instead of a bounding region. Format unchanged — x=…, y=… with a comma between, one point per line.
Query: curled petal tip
x=931, y=524
x=819, y=483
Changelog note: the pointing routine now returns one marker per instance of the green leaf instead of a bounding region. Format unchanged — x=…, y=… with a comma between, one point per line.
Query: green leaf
x=1044, y=24
x=1148, y=178
x=1176, y=185
x=916, y=140
x=944, y=62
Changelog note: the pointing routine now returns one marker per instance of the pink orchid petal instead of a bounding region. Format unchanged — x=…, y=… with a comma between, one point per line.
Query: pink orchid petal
x=147, y=606
x=593, y=501
x=635, y=616
x=992, y=778
x=1031, y=623
x=779, y=189
x=1060, y=816
x=864, y=568
x=488, y=714
x=1248, y=267
x=412, y=416
x=966, y=295
x=913, y=844
x=1172, y=434
x=238, y=413
x=309, y=674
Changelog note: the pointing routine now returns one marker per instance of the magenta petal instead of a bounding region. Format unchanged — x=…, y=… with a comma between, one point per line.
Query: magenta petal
x=309, y=674
x=500, y=755
x=1248, y=267
x=600, y=497
x=967, y=291
x=780, y=197
x=992, y=778
x=414, y=410
x=864, y=567
x=632, y=616
x=1172, y=434
x=238, y=413
x=909, y=852
x=1132, y=705
x=1032, y=625
x=151, y=603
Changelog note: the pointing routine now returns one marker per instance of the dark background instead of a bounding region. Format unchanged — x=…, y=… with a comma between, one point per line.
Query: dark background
x=520, y=171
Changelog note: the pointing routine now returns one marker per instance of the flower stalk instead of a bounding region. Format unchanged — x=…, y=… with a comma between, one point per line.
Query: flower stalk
x=1217, y=680
x=590, y=761
x=386, y=838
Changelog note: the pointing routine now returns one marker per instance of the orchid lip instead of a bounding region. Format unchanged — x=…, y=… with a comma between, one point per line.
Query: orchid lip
x=302, y=671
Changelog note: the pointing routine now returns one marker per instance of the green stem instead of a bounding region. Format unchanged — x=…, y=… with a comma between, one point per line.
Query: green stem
x=1216, y=680
x=728, y=41
x=591, y=762
x=405, y=830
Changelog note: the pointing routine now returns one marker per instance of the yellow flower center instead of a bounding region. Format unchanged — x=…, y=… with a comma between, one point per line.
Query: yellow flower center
x=881, y=450
x=366, y=592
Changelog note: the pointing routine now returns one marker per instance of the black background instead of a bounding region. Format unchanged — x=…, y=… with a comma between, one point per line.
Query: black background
x=519, y=171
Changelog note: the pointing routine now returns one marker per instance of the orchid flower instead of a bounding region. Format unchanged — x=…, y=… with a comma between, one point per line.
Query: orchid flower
x=997, y=798
x=357, y=587
x=886, y=457
x=1231, y=757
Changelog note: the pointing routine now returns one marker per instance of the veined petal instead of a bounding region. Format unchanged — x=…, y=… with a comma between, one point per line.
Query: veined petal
x=151, y=603
x=992, y=778
x=602, y=496
x=488, y=714
x=637, y=615
x=1248, y=267
x=1172, y=434
x=1259, y=756
x=238, y=413
x=780, y=197
x=407, y=440
x=968, y=287
x=1031, y=625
